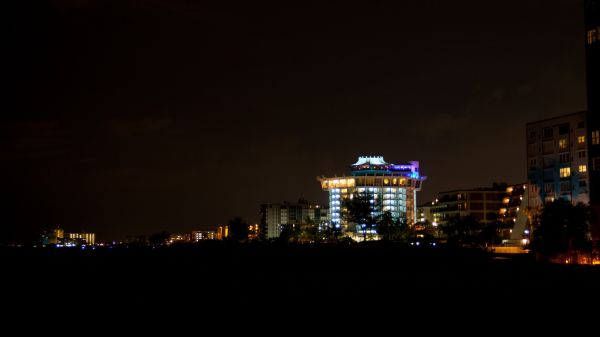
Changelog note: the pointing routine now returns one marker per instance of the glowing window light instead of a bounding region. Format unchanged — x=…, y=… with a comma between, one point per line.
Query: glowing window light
x=565, y=172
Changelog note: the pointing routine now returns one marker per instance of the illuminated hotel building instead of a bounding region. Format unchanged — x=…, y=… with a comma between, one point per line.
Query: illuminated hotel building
x=389, y=187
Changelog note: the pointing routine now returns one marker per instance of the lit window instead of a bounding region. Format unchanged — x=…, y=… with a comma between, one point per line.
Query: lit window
x=562, y=144
x=591, y=36
x=582, y=168
x=565, y=172
x=532, y=163
x=596, y=164
x=595, y=137
x=581, y=139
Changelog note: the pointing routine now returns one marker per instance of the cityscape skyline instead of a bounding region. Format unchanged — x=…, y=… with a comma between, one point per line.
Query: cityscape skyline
x=134, y=119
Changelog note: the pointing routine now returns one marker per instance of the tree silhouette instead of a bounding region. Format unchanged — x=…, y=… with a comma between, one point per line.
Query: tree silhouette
x=563, y=227
x=461, y=230
x=359, y=210
x=238, y=229
x=390, y=228
x=159, y=238
x=309, y=231
x=289, y=233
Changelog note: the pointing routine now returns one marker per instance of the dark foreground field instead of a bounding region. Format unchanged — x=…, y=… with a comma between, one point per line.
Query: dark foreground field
x=260, y=285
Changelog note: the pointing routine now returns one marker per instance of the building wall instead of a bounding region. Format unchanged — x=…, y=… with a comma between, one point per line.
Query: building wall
x=557, y=159
x=90, y=238
x=389, y=187
x=592, y=50
x=399, y=201
x=592, y=38
x=511, y=203
x=483, y=205
x=203, y=235
x=274, y=215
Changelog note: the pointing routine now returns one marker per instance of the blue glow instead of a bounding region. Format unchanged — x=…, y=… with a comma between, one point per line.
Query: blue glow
x=401, y=167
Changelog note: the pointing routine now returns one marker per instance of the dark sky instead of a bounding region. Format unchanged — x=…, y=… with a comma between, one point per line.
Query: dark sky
x=127, y=117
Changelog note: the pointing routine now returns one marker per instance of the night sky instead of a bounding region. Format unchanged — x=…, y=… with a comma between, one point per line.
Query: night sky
x=130, y=117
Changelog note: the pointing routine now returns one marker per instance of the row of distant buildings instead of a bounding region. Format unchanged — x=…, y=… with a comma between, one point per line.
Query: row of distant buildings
x=500, y=203
x=58, y=237
x=391, y=187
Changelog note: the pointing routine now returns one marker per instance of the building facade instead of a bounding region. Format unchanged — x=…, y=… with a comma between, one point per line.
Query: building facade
x=203, y=235
x=563, y=153
x=483, y=204
x=512, y=204
x=179, y=238
x=275, y=215
x=389, y=187
x=82, y=238
x=222, y=232
x=592, y=52
x=557, y=159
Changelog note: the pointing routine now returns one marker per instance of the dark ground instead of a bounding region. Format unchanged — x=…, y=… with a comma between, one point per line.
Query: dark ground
x=252, y=286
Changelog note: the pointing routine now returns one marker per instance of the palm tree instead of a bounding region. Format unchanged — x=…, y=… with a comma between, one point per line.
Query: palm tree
x=358, y=210
x=386, y=225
